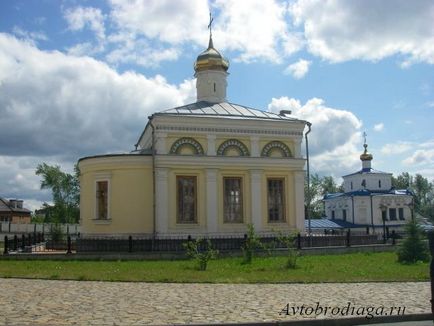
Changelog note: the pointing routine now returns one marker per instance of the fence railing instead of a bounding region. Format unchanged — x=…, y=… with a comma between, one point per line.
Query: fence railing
x=17, y=228
x=38, y=242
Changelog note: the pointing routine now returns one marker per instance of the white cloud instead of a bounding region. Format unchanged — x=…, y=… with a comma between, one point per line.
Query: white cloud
x=298, y=69
x=422, y=156
x=80, y=17
x=335, y=138
x=57, y=108
x=396, y=148
x=255, y=29
x=341, y=30
x=379, y=126
x=33, y=36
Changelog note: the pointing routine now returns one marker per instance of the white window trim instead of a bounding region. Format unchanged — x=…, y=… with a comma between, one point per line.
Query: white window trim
x=98, y=178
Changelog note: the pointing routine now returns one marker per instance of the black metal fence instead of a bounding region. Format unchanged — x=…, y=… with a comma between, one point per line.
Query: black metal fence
x=36, y=242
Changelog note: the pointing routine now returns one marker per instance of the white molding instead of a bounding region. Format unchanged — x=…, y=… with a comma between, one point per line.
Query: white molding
x=232, y=161
x=122, y=160
x=254, y=146
x=211, y=200
x=161, y=200
x=211, y=151
x=256, y=198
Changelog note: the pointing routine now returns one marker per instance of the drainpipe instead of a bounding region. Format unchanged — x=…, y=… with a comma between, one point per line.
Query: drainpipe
x=372, y=214
x=154, y=214
x=308, y=182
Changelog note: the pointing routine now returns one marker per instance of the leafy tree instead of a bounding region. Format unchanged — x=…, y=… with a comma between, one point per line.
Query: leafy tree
x=423, y=191
x=413, y=248
x=65, y=190
x=319, y=187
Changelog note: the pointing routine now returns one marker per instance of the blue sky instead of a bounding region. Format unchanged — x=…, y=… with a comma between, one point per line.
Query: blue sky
x=79, y=78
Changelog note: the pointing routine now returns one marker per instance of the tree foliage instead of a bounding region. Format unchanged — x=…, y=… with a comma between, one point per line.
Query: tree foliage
x=319, y=187
x=422, y=189
x=65, y=190
x=413, y=248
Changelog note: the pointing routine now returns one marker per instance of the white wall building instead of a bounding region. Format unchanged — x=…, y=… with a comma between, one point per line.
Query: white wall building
x=369, y=198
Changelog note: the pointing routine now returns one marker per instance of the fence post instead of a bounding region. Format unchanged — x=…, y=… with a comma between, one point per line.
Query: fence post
x=348, y=238
x=393, y=237
x=23, y=241
x=15, y=242
x=9, y=226
x=29, y=240
x=130, y=244
x=5, y=249
x=431, y=268
x=69, y=251
x=367, y=230
x=299, y=241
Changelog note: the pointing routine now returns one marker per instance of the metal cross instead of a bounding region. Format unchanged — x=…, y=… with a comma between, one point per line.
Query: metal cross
x=211, y=19
x=364, y=135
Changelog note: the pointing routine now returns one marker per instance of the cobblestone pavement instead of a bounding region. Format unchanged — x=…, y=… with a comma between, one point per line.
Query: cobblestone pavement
x=42, y=302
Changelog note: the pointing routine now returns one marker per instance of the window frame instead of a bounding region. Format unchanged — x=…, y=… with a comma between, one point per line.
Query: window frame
x=96, y=216
x=394, y=216
x=195, y=202
x=241, y=209
x=401, y=216
x=283, y=219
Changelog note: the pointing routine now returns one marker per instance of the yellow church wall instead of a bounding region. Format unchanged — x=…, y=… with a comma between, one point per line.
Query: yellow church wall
x=130, y=196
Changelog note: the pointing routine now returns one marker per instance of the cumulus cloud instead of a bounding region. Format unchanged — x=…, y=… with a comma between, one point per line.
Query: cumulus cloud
x=298, y=69
x=57, y=108
x=335, y=138
x=171, y=27
x=422, y=156
x=379, y=126
x=340, y=30
x=80, y=17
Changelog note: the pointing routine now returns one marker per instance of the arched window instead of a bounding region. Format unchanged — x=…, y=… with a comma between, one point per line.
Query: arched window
x=274, y=147
x=233, y=147
x=186, y=145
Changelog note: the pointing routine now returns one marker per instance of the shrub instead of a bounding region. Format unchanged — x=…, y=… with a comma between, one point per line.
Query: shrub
x=413, y=248
x=289, y=241
x=251, y=244
x=202, y=257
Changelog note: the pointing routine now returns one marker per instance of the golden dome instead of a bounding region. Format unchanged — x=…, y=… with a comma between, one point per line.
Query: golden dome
x=366, y=156
x=211, y=59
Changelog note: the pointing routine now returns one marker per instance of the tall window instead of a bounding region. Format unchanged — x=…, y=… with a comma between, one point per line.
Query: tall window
x=186, y=199
x=276, y=200
x=392, y=214
x=379, y=183
x=344, y=214
x=233, y=200
x=401, y=213
x=102, y=200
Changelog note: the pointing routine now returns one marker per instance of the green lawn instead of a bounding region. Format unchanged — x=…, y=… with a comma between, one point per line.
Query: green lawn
x=331, y=268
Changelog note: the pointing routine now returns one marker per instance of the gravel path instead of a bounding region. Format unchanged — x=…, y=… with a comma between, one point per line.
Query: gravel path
x=43, y=302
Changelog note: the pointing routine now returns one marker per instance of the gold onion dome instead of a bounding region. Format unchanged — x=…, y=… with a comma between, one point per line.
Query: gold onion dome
x=211, y=59
x=366, y=156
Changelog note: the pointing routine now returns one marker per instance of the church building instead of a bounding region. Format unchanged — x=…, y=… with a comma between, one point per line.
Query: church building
x=207, y=168
x=369, y=200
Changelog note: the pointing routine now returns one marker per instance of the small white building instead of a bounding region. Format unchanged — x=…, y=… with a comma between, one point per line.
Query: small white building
x=369, y=200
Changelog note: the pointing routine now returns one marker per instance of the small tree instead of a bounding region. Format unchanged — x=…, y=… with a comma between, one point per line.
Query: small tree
x=413, y=248
x=252, y=243
x=201, y=256
x=289, y=241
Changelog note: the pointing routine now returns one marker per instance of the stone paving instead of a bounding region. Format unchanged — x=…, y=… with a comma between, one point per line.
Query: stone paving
x=43, y=302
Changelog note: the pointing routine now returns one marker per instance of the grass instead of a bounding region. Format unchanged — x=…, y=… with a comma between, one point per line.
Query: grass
x=358, y=267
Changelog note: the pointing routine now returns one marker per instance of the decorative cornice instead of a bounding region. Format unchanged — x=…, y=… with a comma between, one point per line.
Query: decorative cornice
x=229, y=130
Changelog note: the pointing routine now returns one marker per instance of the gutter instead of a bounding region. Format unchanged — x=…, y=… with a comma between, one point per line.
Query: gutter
x=309, y=125
x=154, y=205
